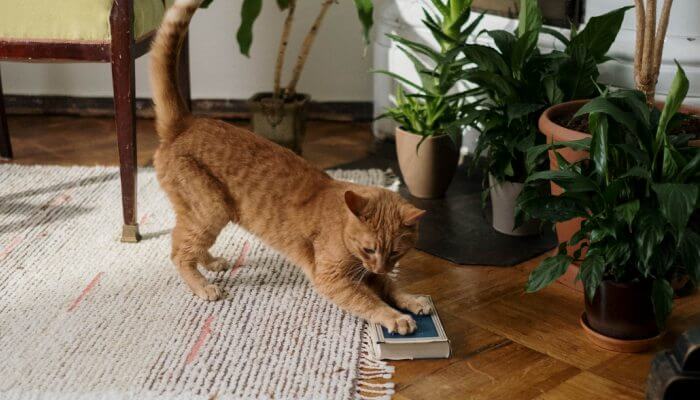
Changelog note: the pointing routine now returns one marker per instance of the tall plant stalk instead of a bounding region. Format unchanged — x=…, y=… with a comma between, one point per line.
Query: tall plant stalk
x=306, y=47
x=284, y=41
x=649, y=45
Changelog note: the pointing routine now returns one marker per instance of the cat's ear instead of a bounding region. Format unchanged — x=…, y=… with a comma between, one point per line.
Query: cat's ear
x=356, y=203
x=411, y=215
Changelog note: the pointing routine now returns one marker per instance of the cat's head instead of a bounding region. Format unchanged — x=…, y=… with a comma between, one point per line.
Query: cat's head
x=382, y=227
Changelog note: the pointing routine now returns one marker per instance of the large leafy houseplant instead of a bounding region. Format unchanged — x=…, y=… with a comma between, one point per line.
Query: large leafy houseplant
x=281, y=114
x=433, y=111
x=519, y=82
x=637, y=192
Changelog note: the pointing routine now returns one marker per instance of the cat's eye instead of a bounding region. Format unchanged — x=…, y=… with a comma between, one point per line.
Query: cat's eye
x=394, y=253
x=368, y=251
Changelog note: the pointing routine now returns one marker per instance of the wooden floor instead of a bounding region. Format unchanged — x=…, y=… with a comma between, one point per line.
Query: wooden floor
x=506, y=344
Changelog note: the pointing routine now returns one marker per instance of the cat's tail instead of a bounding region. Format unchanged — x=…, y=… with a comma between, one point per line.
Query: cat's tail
x=170, y=109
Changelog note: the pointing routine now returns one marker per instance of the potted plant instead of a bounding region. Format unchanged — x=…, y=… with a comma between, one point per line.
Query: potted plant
x=637, y=193
x=430, y=114
x=280, y=115
x=557, y=124
x=519, y=82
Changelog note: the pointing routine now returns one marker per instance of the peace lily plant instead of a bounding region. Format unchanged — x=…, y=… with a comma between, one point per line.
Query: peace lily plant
x=637, y=193
x=519, y=82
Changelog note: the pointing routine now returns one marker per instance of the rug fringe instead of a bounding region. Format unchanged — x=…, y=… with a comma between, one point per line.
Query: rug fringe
x=374, y=376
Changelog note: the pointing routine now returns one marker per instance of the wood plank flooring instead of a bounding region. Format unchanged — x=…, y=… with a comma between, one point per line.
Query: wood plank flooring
x=506, y=344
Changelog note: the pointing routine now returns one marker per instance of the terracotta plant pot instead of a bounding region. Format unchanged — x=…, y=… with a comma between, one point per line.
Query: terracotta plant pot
x=622, y=312
x=557, y=133
x=282, y=123
x=429, y=169
x=504, y=197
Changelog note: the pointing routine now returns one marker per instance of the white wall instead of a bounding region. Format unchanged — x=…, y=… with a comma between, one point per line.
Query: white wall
x=336, y=70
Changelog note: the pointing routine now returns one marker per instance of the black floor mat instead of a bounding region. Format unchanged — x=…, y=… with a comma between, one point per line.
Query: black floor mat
x=456, y=227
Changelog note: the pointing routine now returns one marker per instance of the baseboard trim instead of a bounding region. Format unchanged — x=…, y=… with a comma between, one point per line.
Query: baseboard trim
x=351, y=111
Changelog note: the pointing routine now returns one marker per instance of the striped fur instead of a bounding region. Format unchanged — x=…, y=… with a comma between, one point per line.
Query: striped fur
x=171, y=111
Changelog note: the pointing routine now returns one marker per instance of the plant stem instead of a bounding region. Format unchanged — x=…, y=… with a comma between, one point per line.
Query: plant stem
x=306, y=47
x=639, y=43
x=647, y=83
x=661, y=37
x=284, y=40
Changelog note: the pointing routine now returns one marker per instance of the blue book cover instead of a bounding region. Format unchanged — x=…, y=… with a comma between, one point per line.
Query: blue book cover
x=428, y=341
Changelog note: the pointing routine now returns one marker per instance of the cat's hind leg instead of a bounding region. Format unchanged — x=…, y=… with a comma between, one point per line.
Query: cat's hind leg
x=205, y=213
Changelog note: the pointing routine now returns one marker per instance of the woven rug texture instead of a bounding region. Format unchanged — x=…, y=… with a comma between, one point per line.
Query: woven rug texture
x=83, y=316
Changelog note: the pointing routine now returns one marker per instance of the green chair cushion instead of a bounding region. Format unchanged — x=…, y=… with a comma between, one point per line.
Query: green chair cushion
x=71, y=20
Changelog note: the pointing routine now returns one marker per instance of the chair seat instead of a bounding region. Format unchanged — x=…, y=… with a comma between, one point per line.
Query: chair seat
x=71, y=20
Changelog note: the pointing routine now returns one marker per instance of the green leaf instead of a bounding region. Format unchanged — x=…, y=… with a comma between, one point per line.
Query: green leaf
x=598, y=124
x=552, y=90
x=568, y=180
x=650, y=230
x=677, y=202
x=400, y=79
x=530, y=18
x=504, y=41
x=551, y=208
x=205, y=4
x=522, y=50
x=519, y=110
x=485, y=58
x=600, y=32
x=548, y=271
x=591, y=273
x=674, y=100
x=662, y=298
x=689, y=251
x=605, y=106
x=250, y=10
x=692, y=168
x=558, y=35
x=365, y=12
x=628, y=211
x=283, y=4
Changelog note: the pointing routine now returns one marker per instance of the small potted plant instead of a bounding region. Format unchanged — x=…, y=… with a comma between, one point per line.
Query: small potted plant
x=430, y=114
x=519, y=82
x=280, y=115
x=637, y=193
x=557, y=124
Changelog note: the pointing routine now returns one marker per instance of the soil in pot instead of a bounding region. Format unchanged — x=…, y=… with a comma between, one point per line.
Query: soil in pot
x=283, y=122
x=622, y=311
x=427, y=169
x=504, y=197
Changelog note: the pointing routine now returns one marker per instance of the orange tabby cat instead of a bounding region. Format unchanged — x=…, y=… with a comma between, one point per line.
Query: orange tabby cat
x=345, y=237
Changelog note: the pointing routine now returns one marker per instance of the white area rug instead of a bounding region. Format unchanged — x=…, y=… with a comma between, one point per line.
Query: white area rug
x=83, y=316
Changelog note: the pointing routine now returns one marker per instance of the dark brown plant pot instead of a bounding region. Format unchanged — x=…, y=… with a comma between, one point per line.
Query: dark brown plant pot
x=281, y=122
x=620, y=313
x=427, y=170
x=504, y=196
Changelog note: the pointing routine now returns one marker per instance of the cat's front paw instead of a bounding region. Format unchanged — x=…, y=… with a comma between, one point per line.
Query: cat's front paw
x=419, y=305
x=400, y=323
x=218, y=264
x=210, y=292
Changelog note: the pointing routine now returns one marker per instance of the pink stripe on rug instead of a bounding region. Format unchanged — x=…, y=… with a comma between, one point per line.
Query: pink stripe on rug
x=203, y=334
x=241, y=258
x=6, y=250
x=85, y=291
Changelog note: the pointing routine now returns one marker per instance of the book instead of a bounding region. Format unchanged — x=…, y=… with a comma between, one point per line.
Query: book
x=428, y=341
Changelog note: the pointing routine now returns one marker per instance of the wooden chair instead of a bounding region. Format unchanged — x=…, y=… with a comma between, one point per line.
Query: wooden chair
x=115, y=33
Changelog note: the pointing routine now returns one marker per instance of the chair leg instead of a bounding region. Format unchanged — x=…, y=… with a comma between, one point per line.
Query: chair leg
x=5, y=145
x=123, y=80
x=184, y=72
